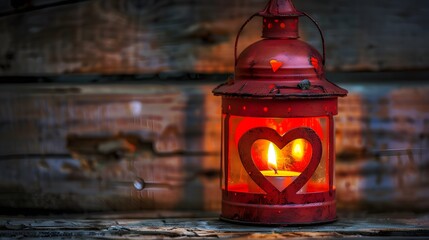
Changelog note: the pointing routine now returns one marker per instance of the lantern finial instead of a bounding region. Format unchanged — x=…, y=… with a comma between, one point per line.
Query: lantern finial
x=280, y=8
x=280, y=19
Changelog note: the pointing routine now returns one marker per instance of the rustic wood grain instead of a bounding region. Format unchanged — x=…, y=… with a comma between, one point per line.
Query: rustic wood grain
x=87, y=183
x=119, y=227
x=130, y=37
x=81, y=148
x=169, y=116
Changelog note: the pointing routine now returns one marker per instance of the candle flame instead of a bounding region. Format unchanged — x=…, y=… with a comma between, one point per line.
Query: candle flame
x=272, y=158
x=298, y=149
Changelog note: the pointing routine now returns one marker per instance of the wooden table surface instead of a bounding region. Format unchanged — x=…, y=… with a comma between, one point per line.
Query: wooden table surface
x=178, y=225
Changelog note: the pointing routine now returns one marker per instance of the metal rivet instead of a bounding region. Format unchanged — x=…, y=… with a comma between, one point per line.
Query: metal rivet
x=274, y=89
x=304, y=84
x=139, y=184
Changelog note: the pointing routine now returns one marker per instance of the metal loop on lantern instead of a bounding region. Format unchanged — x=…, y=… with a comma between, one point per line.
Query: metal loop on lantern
x=321, y=36
x=238, y=36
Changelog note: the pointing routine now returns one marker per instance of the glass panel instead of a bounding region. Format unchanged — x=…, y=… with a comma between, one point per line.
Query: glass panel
x=222, y=157
x=320, y=180
x=293, y=158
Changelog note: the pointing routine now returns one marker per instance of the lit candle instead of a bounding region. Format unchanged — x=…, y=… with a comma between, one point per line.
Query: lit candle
x=279, y=178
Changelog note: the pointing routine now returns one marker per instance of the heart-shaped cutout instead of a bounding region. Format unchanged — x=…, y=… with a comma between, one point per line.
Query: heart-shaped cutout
x=281, y=166
x=275, y=65
x=245, y=145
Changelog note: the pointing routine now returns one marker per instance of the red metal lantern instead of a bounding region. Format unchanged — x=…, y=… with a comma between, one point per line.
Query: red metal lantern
x=278, y=130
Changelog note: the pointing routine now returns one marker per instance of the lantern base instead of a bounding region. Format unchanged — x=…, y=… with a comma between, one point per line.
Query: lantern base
x=279, y=215
x=275, y=224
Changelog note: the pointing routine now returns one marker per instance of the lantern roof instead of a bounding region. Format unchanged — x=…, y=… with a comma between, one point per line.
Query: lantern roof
x=280, y=68
x=280, y=65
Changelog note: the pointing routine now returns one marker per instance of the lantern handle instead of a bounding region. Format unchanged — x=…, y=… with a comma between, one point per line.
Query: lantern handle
x=238, y=36
x=321, y=36
x=258, y=14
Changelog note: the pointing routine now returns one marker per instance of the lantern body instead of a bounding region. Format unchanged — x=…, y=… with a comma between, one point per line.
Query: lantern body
x=245, y=196
x=277, y=129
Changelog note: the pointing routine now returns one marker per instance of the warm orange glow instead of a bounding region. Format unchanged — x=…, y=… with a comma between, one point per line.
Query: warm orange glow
x=272, y=158
x=298, y=149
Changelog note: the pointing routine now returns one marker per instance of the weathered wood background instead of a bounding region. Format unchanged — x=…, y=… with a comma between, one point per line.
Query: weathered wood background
x=132, y=36
x=72, y=146
x=80, y=147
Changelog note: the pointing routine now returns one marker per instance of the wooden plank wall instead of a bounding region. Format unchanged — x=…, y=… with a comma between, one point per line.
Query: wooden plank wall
x=133, y=37
x=81, y=148
x=382, y=139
